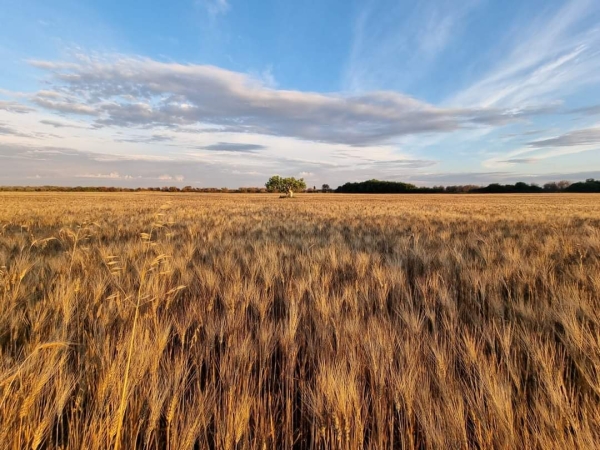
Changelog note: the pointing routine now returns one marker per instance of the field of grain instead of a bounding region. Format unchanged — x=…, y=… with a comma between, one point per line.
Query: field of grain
x=158, y=321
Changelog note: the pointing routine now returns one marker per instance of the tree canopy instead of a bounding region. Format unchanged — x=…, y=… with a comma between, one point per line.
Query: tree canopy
x=589, y=185
x=376, y=186
x=280, y=184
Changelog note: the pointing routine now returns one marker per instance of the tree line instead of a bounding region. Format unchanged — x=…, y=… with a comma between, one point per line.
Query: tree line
x=396, y=187
x=283, y=185
x=210, y=190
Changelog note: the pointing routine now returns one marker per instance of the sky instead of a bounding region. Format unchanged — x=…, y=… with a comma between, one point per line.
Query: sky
x=226, y=93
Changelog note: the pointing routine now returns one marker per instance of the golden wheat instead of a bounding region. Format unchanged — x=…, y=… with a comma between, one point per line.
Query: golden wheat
x=323, y=321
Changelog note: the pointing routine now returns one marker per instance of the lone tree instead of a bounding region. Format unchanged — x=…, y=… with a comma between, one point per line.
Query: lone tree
x=285, y=185
x=325, y=188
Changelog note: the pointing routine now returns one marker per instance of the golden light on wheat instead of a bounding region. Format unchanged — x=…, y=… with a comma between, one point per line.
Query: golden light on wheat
x=327, y=321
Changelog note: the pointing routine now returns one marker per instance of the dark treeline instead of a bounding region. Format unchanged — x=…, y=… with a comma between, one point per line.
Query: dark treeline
x=393, y=187
x=589, y=185
x=252, y=190
x=364, y=187
x=378, y=187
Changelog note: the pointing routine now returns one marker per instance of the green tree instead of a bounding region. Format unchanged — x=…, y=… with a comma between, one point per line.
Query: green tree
x=285, y=185
x=325, y=188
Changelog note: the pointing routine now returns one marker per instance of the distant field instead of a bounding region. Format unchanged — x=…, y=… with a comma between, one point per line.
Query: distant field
x=326, y=321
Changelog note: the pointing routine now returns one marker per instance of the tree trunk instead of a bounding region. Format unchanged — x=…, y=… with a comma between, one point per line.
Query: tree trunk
x=288, y=194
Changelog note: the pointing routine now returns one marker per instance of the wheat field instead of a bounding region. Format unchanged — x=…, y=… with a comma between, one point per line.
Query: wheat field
x=157, y=321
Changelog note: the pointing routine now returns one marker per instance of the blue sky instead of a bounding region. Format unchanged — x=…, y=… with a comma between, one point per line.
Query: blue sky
x=227, y=93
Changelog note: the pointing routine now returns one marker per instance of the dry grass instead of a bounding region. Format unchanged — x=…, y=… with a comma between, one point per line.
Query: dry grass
x=327, y=321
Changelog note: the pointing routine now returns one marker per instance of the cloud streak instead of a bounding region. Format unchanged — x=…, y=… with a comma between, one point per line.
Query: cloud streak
x=588, y=136
x=520, y=160
x=396, y=43
x=59, y=124
x=587, y=111
x=70, y=167
x=214, y=7
x=233, y=147
x=552, y=53
x=572, y=142
x=8, y=131
x=154, y=139
x=14, y=107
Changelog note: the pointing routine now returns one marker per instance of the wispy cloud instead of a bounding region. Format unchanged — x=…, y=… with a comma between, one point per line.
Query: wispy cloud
x=59, y=124
x=550, y=55
x=394, y=164
x=233, y=147
x=588, y=136
x=171, y=177
x=64, y=104
x=108, y=176
x=153, y=139
x=587, y=110
x=569, y=143
x=485, y=178
x=395, y=43
x=14, y=107
x=520, y=160
x=68, y=166
x=9, y=131
x=214, y=7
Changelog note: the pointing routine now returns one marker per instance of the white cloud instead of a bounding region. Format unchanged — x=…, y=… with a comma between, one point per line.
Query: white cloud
x=14, y=107
x=171, y=178
x=65, y=106
x=111, y=176
x=129, y=92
